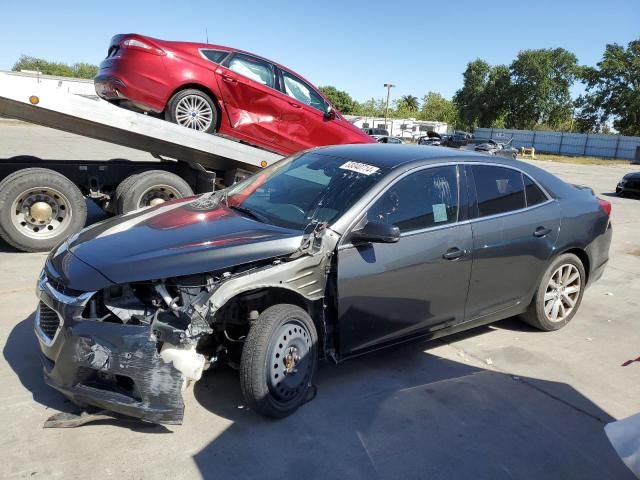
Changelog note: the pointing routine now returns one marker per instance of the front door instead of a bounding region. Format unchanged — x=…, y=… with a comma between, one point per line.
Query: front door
x=387, y=292
x=304, y=124
x=248, y=90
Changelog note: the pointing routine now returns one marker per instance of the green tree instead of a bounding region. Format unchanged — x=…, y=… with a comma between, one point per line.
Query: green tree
x=370, y=108
x=408, y=103
x=540, y=83
x=469, y=98
x=339, y=98
x=612, y=91
x=437, y=108
x=77, y=70
x=495, y=100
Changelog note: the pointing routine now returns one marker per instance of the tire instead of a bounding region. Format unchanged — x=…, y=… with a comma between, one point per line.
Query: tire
x=122, y=187
x=280, y=331
x=149, y=188
x=194, y=109
x=536, y=314
x=25, y=193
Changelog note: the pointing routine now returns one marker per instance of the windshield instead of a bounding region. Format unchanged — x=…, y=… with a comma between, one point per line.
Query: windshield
x=301, y=189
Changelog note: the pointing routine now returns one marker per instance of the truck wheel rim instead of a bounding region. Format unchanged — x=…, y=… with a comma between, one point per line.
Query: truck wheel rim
x=41, y=213
x=290, y=363
x=156, y=195
x=562, y=292
x=193, y=111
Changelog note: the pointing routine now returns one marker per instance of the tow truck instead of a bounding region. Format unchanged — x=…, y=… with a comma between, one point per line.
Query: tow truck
x=44, y=201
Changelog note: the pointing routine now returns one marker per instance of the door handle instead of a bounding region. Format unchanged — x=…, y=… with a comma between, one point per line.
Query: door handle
x=295, y=105
x=229, y=79
x=454, y=253
x=541, y=232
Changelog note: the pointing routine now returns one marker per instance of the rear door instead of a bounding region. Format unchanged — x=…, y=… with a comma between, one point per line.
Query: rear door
x=248, y=86
x=514, y=232
x=391, y=291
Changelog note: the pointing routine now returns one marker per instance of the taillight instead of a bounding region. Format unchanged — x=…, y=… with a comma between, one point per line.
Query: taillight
x=136, y=44
x=605, y=206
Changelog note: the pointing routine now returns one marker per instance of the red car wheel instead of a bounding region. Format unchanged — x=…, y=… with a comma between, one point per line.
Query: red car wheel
x=194, y=109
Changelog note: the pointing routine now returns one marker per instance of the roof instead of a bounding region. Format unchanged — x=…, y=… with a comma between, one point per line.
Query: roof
x=392, y=156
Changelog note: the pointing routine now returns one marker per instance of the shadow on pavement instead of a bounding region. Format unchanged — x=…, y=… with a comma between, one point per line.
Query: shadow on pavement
x=404, y=413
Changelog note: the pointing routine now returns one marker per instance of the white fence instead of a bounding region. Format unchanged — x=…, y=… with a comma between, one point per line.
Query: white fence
x=580, y=144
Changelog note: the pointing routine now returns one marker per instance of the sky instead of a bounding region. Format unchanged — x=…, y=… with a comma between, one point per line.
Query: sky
x=356, y=46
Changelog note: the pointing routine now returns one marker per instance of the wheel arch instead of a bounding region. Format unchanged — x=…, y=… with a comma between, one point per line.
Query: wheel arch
x=583, y=256
x=278, y=294
x=203, y=88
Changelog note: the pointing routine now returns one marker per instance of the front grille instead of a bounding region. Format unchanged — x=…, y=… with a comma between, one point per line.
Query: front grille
x=63, y=289
x=633, y=184
x=49, y=322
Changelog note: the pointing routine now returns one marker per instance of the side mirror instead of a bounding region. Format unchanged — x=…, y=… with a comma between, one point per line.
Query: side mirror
x=375, y=232
x=330, y=113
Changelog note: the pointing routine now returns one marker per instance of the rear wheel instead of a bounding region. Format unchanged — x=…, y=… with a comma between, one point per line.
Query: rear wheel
x=559, y=294
x=150, y=188
x=39, y=208
x=279, y=360
x=194, y=109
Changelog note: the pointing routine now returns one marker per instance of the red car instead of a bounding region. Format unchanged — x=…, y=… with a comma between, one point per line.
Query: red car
x=219, y=89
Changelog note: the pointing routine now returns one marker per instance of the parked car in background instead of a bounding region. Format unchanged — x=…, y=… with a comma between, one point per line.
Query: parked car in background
x=325, y=255
x=376, y=132
x=629, y=185
x=388, y=139
x=493, y=147
x=212, y=88
x=456, y=140
x=431, y=139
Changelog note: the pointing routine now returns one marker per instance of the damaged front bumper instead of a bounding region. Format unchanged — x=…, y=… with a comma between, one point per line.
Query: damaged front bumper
x=112, y=366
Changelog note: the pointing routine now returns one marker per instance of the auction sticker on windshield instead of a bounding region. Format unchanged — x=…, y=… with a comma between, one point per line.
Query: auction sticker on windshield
x=359, y=167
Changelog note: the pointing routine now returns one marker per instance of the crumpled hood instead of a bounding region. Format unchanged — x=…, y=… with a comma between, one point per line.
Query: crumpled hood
x=178, y=238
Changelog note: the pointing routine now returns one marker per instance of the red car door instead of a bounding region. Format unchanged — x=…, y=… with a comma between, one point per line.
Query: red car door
x=248, y=89
x=304, y=124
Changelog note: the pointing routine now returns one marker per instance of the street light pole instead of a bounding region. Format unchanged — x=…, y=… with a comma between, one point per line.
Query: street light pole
x=388, y=86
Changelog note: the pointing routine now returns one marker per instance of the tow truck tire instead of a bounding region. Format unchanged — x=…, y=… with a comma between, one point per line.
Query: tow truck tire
x=279, y=360
x=151, y=188
x=185, y=103
x=120, y=189
x=39, y=208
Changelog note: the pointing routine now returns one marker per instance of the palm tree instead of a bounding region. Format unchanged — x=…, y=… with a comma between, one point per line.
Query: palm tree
x=409, y=102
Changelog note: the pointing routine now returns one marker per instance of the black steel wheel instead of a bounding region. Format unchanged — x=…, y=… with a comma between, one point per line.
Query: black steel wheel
x=279, y=360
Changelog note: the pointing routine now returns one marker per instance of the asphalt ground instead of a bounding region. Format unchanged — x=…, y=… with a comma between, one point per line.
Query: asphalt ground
x=502, y=401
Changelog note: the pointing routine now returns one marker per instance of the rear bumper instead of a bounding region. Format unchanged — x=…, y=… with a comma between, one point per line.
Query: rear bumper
x=108, y=365
x=598, y=252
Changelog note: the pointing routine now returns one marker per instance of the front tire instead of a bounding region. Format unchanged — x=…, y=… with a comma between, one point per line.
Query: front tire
x=559, y=294
x=193, y=109
x=279, y=360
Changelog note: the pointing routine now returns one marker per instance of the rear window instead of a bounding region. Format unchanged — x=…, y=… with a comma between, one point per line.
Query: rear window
x=499, y=190
x=216, y=56
x=533, y=192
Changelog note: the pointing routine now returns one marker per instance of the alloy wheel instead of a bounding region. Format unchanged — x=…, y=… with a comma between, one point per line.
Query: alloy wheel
x=562, y=293
x=194, y=112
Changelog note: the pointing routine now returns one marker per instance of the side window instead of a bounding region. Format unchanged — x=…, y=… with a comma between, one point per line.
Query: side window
x=216, y=56
x=532, y=191
x=420, y=200
x=498, y=189
x=253, y=68
x=296, y=88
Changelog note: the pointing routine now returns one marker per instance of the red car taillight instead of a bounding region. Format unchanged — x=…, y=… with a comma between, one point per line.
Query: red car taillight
x=136, y=44
x=605, y=206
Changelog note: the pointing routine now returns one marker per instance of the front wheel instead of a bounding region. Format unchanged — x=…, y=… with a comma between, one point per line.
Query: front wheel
x=559, y=294
x=279, y=360
x=194, y=109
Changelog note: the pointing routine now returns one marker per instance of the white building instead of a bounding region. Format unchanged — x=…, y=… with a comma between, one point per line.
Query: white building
x=409, y=128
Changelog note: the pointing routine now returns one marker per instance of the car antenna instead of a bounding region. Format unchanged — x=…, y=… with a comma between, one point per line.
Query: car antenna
x=206, y=33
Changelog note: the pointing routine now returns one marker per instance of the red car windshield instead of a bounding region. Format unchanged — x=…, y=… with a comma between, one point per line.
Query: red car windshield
x=301, y=189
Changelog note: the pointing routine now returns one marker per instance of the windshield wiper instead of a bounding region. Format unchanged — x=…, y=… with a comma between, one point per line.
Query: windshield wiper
x=249, y=212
